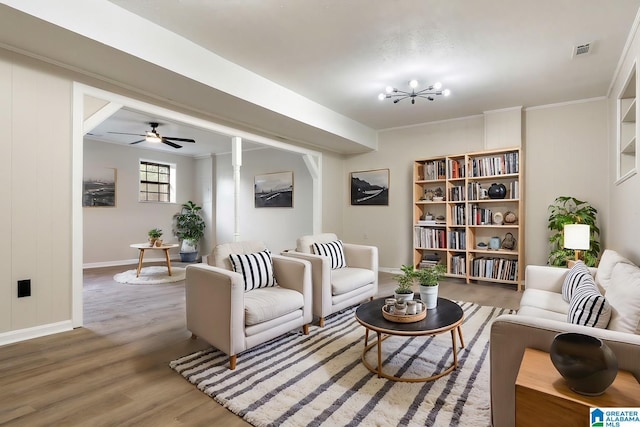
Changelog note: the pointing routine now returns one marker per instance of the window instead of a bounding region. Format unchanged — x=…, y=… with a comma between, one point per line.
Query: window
x=156, y=182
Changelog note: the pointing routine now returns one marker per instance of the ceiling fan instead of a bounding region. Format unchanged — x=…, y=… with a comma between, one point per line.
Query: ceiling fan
x=154, y=137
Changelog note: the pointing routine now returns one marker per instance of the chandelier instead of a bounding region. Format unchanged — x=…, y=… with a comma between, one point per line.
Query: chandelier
x=429, y=92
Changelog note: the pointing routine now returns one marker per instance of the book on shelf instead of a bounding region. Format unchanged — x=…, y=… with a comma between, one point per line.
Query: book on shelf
x=431, y=222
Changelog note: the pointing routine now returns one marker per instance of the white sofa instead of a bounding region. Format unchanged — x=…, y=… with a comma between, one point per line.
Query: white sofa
x=543, y=314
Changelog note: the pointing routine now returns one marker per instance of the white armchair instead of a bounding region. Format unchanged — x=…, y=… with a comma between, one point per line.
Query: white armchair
x=339, y=288
x=221, y=312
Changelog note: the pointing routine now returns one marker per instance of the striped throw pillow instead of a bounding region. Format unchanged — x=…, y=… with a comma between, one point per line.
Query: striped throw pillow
x=334, y=251
x=575, y=276
x=256, y=269
x=588, y=307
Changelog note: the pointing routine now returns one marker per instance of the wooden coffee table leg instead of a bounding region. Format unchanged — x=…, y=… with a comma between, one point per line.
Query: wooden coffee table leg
x=460, y=335
x=366, y=336
x=140, y=262
x=455, y=348
x=166, y=255
x=379, y=354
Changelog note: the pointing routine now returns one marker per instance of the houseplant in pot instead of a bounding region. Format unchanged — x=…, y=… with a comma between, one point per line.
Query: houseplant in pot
x=189, y=228
x=404, y=291
x=154, y=234
x=569, y=210
x=429, y=280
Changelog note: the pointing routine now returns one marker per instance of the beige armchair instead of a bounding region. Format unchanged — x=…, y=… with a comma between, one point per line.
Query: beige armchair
x=221, y=312
x=339, y=288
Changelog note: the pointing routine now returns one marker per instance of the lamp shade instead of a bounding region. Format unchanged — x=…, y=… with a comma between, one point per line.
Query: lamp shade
x=577, y=236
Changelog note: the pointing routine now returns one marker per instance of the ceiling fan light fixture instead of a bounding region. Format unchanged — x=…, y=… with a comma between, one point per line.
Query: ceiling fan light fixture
x=152, y=137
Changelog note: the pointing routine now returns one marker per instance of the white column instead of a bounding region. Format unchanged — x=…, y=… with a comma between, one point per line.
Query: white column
x=236, y=161
x=314, y=165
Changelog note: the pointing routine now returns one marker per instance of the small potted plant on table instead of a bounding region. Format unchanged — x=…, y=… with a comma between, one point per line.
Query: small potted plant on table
x=154, y=235
x=429, y=280
x=404, y=291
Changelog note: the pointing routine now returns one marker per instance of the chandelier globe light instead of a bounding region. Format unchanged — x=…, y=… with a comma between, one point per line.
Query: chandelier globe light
x=430, y=92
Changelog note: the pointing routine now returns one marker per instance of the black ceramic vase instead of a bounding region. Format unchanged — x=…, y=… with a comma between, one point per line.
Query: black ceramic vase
x=497, y=191
x=587, y=364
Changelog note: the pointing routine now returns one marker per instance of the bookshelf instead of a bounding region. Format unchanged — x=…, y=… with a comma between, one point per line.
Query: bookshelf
x=627, y=130
x=466, y=226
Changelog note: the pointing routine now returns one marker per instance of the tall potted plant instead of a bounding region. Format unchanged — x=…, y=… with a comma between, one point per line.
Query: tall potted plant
x=569, y=210
x=189, y=227
x=429, y=280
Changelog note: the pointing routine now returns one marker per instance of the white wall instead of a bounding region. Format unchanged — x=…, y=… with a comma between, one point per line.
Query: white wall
x=108, y=232
x=624, y=219
x=277, y=227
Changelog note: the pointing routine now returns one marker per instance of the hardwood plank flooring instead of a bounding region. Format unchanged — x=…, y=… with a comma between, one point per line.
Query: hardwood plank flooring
x=114, y=370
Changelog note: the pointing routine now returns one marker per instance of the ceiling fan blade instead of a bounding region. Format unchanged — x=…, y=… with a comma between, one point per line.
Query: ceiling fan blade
x=136, y=142
x=180, y=139
x=123, y=133
x=164, y=141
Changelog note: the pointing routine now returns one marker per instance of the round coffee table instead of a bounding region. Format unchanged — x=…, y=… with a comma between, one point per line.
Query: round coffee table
x=446, y=317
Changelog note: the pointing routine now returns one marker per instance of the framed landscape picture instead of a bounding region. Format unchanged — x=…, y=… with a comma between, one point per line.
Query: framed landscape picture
x=273, y=190
x=99, y=188
x=370, y=188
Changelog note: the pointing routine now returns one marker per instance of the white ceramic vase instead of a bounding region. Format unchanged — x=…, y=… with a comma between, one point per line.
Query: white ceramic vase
x=429, y=295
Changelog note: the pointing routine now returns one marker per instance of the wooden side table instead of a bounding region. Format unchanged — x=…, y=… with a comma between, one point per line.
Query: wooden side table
x=542, y=394
x=145, y=246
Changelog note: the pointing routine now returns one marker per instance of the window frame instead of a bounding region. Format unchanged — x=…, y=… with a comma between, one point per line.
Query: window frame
x=171, y=193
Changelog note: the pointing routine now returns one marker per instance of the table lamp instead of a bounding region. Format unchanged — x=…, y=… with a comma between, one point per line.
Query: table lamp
x=577, y=237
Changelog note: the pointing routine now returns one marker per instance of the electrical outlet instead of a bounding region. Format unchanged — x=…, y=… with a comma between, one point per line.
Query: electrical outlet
x=24, y=288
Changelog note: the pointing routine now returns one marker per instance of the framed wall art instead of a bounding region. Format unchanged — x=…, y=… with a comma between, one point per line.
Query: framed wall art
x=99, y=188
x=370, y=188
x=273, y=190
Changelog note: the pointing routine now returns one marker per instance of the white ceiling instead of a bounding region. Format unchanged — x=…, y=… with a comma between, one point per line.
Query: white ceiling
x=491, y=54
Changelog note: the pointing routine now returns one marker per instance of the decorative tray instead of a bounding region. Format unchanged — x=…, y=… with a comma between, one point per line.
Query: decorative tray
x=405, y=318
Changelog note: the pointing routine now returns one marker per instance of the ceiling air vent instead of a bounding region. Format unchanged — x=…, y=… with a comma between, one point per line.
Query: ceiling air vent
x=581, y=50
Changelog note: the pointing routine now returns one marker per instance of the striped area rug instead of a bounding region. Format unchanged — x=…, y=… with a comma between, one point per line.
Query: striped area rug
x=319, y=379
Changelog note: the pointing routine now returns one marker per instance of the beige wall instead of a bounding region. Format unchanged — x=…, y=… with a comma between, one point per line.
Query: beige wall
x=390, y=227
x=35, y=167
x=108, y=232
x=277, y=227
x=566, y=155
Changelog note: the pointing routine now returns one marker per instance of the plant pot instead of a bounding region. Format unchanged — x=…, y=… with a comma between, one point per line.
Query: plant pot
x=403, y=297
x=159, y=243
x=429, y=295
x=152, y=241
x=188, y=256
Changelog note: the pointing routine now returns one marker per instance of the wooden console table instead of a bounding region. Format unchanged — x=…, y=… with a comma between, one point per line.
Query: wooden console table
x=542, y=394
x=145, y=246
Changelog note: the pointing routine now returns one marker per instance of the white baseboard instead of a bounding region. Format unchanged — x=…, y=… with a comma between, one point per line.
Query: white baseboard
x=35, y=332
x=133, y=261
x=393, y=270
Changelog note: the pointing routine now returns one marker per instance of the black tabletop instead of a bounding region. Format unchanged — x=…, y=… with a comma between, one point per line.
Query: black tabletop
x=446, y=314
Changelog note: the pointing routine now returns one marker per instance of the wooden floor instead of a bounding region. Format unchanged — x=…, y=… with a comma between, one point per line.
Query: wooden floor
x=114, y=371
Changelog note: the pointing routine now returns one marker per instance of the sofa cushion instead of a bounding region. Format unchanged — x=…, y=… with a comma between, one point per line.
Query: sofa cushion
x=573, y=279
x=607, y=263
x=256, y=269
x=347, y=279
x=545, y=304
x=304, y=244
x=261, y=305
x=334, y=250
x=623, y=293
x=588, y=307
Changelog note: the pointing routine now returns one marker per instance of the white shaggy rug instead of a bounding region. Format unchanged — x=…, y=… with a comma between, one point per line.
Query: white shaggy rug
x=319, y=379
x=151, y=276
